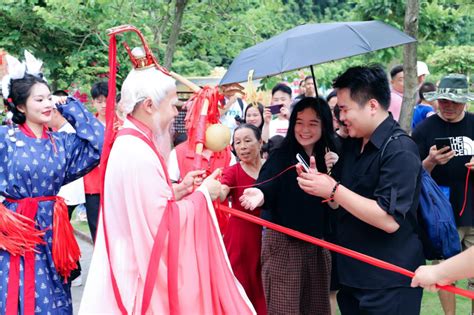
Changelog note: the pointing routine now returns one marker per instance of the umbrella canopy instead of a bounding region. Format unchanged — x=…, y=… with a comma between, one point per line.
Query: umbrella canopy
x=312, y=44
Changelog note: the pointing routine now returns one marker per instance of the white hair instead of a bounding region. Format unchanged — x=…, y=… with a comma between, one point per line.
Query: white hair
x=143, y=83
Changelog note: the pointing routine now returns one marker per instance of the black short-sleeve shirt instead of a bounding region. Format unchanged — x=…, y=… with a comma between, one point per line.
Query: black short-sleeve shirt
x=452, y=175
x=393, y=181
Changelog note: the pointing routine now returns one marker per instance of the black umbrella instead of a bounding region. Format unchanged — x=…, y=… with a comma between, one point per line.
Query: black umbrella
x=311, y=44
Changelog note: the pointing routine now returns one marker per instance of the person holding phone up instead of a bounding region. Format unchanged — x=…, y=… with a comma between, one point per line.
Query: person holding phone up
x=295, y=274
x=447, y=167
x=277, y=114
x=377, y=196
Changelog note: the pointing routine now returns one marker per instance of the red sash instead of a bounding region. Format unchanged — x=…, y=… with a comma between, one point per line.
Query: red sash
x=28, y=208
x=169, y=225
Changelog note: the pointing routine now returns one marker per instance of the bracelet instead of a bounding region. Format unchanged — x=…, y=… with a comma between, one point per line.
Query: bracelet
x=333, y=192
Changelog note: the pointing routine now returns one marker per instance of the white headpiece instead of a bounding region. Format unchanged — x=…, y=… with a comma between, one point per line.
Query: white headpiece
x=17, y=70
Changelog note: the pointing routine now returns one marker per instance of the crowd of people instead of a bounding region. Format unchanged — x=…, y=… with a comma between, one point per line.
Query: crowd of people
x=161, y=246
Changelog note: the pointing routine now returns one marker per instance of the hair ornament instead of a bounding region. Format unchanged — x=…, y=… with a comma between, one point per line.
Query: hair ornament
x=33, y=65
x=9, y=116
x=17, y=70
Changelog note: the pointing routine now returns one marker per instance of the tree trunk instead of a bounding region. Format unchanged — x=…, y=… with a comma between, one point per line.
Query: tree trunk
x=409, y=65
x=159, y=28
x=176, y=28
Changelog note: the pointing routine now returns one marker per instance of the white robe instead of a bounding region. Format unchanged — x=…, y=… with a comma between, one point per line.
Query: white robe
x=135, y=196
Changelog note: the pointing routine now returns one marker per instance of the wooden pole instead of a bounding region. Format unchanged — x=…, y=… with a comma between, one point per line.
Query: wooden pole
x=194, y=87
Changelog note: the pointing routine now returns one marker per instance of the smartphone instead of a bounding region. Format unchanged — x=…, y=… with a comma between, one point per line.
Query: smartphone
x=442, y=142
x=275, y=109
x=300, y=159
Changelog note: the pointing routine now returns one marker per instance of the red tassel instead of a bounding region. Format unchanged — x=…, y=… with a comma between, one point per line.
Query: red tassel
x=66, y=252
x=17, y=233
x=195, y=130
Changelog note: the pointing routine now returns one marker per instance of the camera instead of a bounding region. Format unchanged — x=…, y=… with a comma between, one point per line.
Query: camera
x=239, y=120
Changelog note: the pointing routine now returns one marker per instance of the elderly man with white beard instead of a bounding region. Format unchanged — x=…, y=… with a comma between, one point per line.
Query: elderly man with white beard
x=159, y=250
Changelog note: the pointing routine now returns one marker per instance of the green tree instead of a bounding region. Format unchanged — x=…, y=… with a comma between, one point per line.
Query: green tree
x=70, y=36
x=453, y=59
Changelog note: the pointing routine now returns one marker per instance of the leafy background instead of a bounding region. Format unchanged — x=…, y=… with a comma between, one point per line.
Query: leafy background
x=70, y=36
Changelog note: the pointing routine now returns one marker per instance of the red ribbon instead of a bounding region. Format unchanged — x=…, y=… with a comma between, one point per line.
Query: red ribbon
x=197, y=122
x=338, y=249
x=465, y=191
x=27, y=207
x=107, y=146
x=66, y=251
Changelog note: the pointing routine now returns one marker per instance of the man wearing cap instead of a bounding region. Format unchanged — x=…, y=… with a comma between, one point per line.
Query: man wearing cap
x=423, y=108
x=448, y=168
x=421, y=71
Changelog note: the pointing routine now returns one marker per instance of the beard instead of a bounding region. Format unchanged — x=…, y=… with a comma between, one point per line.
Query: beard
x=163, y=143
x=162, y=139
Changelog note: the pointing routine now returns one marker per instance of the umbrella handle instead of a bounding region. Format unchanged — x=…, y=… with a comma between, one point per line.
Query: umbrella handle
x=314, y=80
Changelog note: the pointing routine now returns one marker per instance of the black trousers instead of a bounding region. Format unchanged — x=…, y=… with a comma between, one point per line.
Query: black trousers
x=70, y=210
x=92, y=209
x=393, y=301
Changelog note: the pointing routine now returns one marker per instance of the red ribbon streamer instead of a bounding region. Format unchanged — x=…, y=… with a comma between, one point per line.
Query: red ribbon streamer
x=465, y=191
x=107, y=146
x=338, y=249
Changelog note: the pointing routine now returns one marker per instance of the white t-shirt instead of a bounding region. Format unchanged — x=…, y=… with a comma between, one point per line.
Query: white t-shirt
x=228, y=119
x=73, y=193
x=278, y=127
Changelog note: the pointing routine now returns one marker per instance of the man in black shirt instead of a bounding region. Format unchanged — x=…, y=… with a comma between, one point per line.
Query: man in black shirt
x=377, y=198
x=447, y=167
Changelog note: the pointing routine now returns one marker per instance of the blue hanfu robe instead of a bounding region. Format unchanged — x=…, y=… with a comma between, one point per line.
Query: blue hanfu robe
x=31, y=167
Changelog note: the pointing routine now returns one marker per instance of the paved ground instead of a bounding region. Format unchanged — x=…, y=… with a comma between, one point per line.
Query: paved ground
x=86, y=251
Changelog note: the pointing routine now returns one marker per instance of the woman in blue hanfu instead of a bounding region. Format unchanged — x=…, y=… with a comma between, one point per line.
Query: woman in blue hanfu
x=38, y=250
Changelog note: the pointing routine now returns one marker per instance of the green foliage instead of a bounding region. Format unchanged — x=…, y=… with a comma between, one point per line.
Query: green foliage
x=453, y=59
x=441, y=23
x=69, y=36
